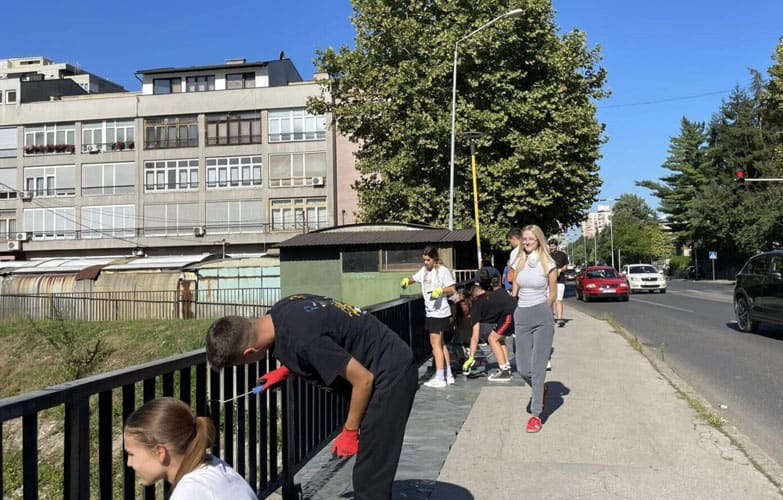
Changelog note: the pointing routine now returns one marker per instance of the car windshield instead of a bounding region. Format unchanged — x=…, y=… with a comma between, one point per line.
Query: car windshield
x=642, y=270
x=601, y=273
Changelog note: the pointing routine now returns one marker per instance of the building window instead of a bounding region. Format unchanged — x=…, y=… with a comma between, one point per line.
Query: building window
x=171, y=132
x=10, y=96
x=7, y=142
x=234, y=128
x=242, y=216
x=8, y=186
x=108, y=135
x=201, y=83
x=50, y=223
x=400, y=259
x=170, y=175
x=295, y=125
x=170, y=219
x=240, y=81
x=108, y=178
x=54, y=138
x=167, y=85
x=235, y=171
x=108, y=221
x=50, y=181
x=7, y=224
x=296, y=169
x=298, y=213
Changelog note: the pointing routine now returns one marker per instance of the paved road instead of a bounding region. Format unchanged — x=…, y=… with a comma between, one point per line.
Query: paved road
x=693, y=327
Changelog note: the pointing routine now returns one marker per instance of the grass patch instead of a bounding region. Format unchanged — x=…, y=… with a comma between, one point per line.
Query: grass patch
x=29, y=361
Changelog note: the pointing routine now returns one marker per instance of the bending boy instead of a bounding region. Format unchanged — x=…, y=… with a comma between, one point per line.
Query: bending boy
x=339, y=346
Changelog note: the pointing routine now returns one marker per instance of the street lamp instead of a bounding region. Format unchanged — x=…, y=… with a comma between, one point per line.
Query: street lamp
x=611, y=230
x=473, y=136
x=511, y=13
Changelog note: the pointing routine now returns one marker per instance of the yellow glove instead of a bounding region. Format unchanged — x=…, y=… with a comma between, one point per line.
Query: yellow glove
x=405, y=282
x=436, y=293
x=467, y=365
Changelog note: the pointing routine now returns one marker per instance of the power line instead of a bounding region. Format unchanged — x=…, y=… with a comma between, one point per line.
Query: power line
x=661, y=101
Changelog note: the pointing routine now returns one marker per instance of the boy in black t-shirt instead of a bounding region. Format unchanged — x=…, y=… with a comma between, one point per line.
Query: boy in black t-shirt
x=490, y=315
x=339, y=346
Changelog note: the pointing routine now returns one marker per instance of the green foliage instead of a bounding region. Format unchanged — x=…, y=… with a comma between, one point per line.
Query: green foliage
x=678, y=263
x=698, y=197
x=529, y=91
x=79, y=354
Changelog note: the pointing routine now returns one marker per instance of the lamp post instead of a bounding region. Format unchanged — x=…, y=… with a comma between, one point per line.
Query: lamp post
x=472, y=135
x=611, y=229
x=511, y=13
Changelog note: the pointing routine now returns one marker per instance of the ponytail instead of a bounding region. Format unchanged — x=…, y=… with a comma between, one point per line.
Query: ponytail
x=195, y=453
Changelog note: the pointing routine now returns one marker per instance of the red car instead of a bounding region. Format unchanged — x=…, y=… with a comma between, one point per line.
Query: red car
x=600, y=281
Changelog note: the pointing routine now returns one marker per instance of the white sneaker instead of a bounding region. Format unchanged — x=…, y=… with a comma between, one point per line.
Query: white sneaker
x=449, y=379
x=435, y=383
x=549, y=365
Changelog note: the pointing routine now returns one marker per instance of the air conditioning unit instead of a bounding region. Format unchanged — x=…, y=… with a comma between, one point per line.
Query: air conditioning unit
x=27, y=195
x=14, y=246
x=318, y=181
x=91, y=148
x=199, y=231
x=22, y=236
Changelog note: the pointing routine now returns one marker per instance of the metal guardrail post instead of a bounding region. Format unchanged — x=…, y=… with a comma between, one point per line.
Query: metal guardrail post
x=77, y=449
x=291, y=491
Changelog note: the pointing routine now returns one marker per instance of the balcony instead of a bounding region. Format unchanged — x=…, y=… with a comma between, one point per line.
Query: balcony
x=108, y=147
x=49, y=149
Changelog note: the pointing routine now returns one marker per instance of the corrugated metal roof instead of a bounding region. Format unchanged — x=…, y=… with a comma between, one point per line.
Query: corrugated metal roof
x=167, y=262
x=409, y=235
x=236, y=263
x=59, y=265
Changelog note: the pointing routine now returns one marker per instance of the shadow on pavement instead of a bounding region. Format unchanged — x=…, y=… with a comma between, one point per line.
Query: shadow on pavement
x=422, y=489
x=554, y=398
x=764, y=330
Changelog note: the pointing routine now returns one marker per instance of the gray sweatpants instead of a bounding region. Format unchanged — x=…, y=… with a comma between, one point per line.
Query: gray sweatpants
x=534, y=329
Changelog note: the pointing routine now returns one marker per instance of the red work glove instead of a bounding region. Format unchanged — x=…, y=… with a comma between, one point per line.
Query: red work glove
x=346, y=444
x=274, y=377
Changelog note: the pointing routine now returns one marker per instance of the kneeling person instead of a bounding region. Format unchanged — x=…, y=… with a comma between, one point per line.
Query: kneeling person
x=339, y=346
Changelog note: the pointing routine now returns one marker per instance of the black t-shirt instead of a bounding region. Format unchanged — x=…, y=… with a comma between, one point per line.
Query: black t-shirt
x=561, y=259
x=316, y=336
x=492, y=307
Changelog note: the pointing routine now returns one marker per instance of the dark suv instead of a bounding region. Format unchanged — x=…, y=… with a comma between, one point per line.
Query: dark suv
x=758, y=291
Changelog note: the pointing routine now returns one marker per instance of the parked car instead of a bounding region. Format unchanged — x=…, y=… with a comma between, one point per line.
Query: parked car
x=694, y=273
x=570, y=274
x=600, y=282
x=758, y=291
x=644, y=277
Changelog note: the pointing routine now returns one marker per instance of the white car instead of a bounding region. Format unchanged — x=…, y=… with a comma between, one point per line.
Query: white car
x=644, y=277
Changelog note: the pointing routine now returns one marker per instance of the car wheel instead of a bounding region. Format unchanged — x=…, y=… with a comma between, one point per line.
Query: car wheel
x=742, y=313
x=663, y=290
x=624, y=298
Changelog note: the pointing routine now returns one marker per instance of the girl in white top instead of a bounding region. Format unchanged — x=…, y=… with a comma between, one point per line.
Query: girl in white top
x=164, y=441
x=436, y=285
x=535, y=286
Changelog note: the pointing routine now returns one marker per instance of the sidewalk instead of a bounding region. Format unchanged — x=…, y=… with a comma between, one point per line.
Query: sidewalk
x=615, y=427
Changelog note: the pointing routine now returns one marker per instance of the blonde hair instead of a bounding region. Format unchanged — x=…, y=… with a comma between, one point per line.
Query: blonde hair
x=543, y=252
x=170, y=422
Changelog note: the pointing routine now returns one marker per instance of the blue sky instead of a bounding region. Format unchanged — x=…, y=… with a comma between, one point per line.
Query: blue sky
x=655, y=52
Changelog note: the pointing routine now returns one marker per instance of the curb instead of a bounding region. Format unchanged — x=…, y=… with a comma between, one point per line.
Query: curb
x=767, y=466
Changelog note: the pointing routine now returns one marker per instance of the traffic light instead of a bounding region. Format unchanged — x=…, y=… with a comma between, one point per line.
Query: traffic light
x=739, y=180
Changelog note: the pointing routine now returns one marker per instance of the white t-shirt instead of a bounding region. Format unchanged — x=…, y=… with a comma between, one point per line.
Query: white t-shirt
x=215, y=480
x=533, y=283
x=439, y=277
x=512, y=258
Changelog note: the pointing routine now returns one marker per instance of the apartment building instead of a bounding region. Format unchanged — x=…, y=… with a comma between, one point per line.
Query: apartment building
x=203, y=158
x=595, y=222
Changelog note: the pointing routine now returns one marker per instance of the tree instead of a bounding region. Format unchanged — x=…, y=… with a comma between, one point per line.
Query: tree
x=688, y=163
x=529, y=91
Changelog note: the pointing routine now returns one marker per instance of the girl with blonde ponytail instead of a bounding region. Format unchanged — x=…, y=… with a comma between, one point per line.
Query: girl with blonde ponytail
x=164, y=441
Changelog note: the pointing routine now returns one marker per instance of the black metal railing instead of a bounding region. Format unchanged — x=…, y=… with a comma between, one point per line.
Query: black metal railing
x=267, y=438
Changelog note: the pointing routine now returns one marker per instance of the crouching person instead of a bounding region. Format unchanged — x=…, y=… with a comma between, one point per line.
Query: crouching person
x=339, y=346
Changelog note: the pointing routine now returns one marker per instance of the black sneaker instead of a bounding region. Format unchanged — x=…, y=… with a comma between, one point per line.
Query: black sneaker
x=500, y=376
x=561, y=323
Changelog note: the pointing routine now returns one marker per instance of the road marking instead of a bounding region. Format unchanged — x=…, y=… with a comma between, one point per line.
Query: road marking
x=662, y=305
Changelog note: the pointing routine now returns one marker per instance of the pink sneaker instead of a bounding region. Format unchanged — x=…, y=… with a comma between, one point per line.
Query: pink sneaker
x=534, y=424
